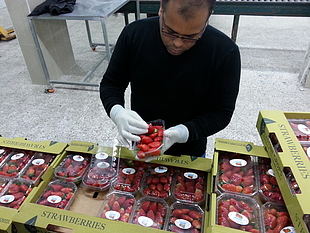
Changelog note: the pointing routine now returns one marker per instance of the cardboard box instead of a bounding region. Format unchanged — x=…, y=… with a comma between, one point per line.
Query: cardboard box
x=7, y=214
x=288, y=159
x=82, y=215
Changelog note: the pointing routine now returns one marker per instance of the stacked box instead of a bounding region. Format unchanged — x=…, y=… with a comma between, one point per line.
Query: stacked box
x=36, y=148
x=290, y=163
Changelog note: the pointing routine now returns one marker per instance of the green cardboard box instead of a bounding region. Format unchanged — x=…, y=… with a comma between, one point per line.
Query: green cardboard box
x=288, y=159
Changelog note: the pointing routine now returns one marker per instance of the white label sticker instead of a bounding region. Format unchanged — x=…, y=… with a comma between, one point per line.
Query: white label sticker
x=17, y=156
x=161, y=169
x=54, y=199
x=103, y=165
x=128, y=171
x=304, y=129
x=183, y=224
x=1, y=151
x=270, y=172
x=101, y=155
x=78, y=158
x=145, y=221
x=191, y=175
x=113, y=215
x=7, y=199
x=288, y=230
x=238, y=162
x=238, y=218
x=38, y=162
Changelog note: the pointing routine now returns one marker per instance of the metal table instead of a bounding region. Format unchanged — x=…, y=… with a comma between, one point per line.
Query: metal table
x=98, y=10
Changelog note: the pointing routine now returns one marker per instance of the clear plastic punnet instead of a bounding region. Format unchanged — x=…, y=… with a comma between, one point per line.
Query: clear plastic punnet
x=189, y=186
x=236, y=174
x=276, y=218
x=129, y=176
x=157, y=181
x=4, y=152
x=15, y=193
x=58, y=194
x=239, y=212
x=3, y=182
x=150, y=146
x=301, y=128
x=73, y=167
x=185, y=218
x=150, y=212
x=117, y=206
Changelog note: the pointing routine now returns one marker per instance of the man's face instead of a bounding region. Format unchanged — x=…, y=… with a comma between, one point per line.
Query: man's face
x=177, y=33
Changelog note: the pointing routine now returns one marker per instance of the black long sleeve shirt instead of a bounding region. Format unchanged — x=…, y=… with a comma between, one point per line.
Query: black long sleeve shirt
x=198, y=88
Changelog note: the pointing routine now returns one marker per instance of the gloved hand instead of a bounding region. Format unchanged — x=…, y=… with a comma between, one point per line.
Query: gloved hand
x=173, y=135
x=128, y=123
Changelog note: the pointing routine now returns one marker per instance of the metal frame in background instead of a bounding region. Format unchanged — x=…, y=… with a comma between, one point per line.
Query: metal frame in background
x=98, y=10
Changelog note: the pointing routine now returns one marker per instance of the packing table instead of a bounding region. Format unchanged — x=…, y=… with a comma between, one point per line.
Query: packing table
x=83, y=10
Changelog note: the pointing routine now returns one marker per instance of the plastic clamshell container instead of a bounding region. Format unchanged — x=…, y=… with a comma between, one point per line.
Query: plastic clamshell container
x=58, y=194
x=15, y=193
x=292, y=183
x=37, y=166
x=301, y=128
x=157, y=181
x=183, y=217
x=129, y=176
x=151, y=143
x=3, y=183
x=276, y=217
x=306, y=147
x=150, y=212
x=100, y=172
x=15, y=162
x=117, y=206
x=269, y=190
x=73, y=167
x=4, y=152
x=236, y=174
x=238, y=211
x=189, y=186
x=306, y=219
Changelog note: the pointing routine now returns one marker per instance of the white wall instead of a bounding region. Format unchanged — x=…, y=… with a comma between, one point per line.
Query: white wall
x=2, y=4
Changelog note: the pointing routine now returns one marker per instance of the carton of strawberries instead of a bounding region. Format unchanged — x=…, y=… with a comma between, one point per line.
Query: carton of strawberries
x=301, y=128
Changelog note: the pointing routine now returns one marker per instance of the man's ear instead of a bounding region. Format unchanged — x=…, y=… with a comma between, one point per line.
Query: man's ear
x=160, y=11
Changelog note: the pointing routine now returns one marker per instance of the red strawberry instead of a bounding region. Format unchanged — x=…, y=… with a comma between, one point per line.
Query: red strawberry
x=270, y=221
x=56, y=187
x=196, y=224
x=125, y=218
x=121, y=200
x=177, y=213
x=150, y=214
x=226, y=166
x=116, y=206
x=236, y=179
x=145, y=206
x=153, y=206
x=195, y=215
x=129, y=202
x=159, y=219
x=223, y=222
x=248, y=181
x=229, y=187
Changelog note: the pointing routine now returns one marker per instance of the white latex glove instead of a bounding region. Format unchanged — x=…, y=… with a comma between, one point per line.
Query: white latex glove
x=175, y=134
x=128, y=123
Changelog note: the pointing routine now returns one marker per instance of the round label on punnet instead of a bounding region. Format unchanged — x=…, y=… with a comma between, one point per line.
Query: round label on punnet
x=38, y=162
x=103, y=165
x=238, y=218
x=128, y=171
x=191, y=175
x=7, y=199
x=183, y=224
x=270, y=172
x=161, y=169
x=288, y=230
x=145, y=221
x=78, y=158
x=112, y=215
x=54, y=199
x=17, y=156
x=304, y=129
x=1, y=151
x=101, y=155
x=238, y=162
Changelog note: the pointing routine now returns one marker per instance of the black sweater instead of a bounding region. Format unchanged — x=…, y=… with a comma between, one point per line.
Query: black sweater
x=197, y=88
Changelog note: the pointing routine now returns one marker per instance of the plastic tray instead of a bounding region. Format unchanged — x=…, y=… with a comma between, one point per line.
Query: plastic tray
x=15, y=193
x=4, y=152
x=150, y=212
x=185, y=218
x=3, y=183
x=301, y=128
x=58, y=194
x=269, y=190
x=151, y=143
x=101, y=171
x=129, y=176
x=276, y=218
x=117, y=206
x=189, y=186
x=73, y=167
x=238, y=212
x=237, y=174
x=15, y=162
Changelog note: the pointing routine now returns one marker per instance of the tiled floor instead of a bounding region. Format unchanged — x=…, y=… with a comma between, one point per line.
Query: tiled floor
x=272, y=50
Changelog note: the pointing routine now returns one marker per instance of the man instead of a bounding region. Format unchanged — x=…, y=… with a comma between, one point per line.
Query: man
x=180, y=70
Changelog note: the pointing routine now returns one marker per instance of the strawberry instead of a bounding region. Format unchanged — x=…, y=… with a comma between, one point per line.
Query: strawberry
x=236, y=179
x=223, y=222
x=129, y=202
x=146, y=140
x=195, y=215
x=229, y=187
x=177, y=213
x=56, y=187
x=186, y=217
x=270, y=221
x=222, y=212
x=150, y=214
x=125, y=217
x=159, y=219
x=226, y=166
x=161, y=209
x=121, y=200
x=111, y=200
x=247, y=181
x=163, y=180
x=116, y=206
x=153, y=206
x=145, y=206
x=196, y=224
x=198, y=195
